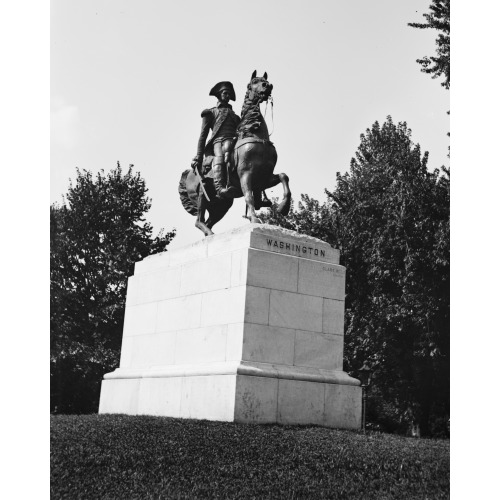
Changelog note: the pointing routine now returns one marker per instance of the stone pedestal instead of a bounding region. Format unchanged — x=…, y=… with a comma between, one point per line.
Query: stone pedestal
x=244, y=326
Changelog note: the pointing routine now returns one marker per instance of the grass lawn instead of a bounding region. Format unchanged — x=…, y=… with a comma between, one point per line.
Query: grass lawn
x=124, y=457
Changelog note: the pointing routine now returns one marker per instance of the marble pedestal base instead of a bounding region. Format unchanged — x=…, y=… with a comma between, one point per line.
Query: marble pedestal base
x=244, y=326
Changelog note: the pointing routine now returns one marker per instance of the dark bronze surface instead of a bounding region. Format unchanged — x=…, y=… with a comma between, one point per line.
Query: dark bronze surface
x=238, y=160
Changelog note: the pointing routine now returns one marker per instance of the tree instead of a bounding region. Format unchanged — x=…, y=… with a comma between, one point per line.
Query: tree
x=393, y=222
x=96, y=236
x=438, y=19
x=390, y=218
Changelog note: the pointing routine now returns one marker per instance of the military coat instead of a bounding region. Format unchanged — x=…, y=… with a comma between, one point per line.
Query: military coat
x=223, y=121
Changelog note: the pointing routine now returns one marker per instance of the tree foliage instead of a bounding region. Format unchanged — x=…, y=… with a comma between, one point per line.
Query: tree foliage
x=96, y=236
x=390, y=218
x=438, y=19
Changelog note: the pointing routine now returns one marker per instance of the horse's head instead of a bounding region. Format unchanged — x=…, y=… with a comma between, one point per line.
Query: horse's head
x=260, y=87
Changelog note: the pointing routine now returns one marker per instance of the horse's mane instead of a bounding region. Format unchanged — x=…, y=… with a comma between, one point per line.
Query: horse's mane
x=250, y=115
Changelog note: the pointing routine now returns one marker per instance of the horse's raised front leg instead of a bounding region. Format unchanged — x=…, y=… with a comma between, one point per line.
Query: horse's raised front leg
x=200, y=217
x=284, y=206
x=246, y=187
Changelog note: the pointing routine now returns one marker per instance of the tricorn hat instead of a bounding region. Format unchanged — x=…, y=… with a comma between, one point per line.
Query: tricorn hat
x=217, y=89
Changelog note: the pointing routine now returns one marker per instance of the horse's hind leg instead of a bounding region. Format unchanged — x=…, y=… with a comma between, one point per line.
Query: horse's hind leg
x=284, y=206
x=200, y=218
x=246, y=187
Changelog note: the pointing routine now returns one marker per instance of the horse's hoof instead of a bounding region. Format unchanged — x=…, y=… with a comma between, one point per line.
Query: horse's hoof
x=284, y=207
x=206, y=230
x=255, y=220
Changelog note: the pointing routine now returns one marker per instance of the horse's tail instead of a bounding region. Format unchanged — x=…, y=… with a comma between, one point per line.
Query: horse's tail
x=186, y=201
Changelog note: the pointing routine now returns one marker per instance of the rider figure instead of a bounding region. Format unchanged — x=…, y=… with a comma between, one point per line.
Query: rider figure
x=223, y=122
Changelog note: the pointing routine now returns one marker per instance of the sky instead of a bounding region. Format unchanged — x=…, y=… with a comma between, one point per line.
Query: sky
x=129, y=80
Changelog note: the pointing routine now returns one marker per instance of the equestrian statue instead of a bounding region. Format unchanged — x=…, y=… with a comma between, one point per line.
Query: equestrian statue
x=238, y=159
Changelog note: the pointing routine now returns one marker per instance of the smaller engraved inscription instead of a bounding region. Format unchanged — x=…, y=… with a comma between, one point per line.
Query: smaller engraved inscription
x=336, y=270
x=321, y=280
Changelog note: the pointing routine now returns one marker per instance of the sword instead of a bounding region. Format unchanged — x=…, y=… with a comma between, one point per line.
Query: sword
x=200, y=178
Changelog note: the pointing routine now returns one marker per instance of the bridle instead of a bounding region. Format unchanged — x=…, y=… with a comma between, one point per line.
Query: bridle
x=270, y=98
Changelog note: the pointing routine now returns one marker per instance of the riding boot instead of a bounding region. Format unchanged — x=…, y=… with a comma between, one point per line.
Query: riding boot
x=231, y=190
x=219, y=181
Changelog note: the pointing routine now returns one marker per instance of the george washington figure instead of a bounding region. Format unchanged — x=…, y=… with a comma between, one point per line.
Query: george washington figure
x=223, y=121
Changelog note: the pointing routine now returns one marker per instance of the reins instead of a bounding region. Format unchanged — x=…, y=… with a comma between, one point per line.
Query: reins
x=270, y=98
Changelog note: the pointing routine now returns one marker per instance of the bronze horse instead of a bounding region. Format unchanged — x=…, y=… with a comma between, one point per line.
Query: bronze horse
x=254, y=159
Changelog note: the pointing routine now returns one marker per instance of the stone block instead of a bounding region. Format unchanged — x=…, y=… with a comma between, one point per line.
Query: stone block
x=273, y=271
x=223, y=306
x=189, y=253
x=145, y=351
x=321, y=279
x=213, y=273
x=333, y=316
x=257, y=305
x=293, y=310
x=180, y=313
x=234, y=341
x=202, y=345
x=126, y=352
x=284, y=241
x=208, y=397
x=239, y=267
x=140, y=319
x=161, y=397
x=132, y=291
x=300, y=402
x=120, y=396
x=152, y=262
x=153, y=286
x=268, y=344
x=229, y=241
x=343, y=406
x=318, y=351
x=256, y=400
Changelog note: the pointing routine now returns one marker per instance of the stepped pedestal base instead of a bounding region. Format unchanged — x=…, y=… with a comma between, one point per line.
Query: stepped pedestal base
x=245, y=326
